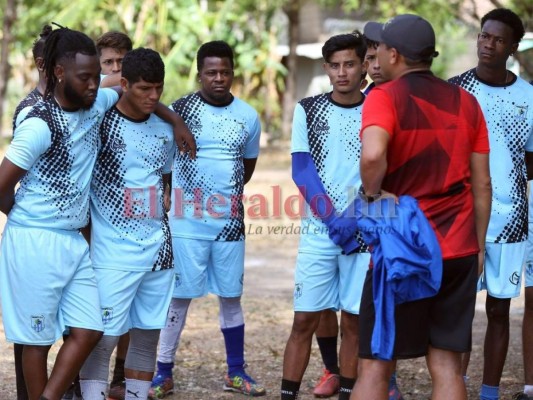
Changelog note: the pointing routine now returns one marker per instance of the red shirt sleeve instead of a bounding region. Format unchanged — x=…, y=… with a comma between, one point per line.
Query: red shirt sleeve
x=481, y=142
x=378, y=110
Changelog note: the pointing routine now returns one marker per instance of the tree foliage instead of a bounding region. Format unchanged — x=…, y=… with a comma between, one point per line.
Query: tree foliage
x=252, y=27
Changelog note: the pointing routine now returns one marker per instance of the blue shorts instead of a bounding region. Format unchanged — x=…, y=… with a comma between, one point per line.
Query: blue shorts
x=134, y=299
x=502, y=273
x=323, y=281
x=207, y=266
x=528, y=280
x=47, y=284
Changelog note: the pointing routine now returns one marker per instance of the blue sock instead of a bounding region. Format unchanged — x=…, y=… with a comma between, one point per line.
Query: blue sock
x=165, y=369
x=234, y=340
x=489, y=392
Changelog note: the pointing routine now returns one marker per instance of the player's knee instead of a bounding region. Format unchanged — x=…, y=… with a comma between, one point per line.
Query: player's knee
x=142, y=351
x=88, y=337
x=305, y=323
x=96, y=367
x=231, y=314
x=498, y=310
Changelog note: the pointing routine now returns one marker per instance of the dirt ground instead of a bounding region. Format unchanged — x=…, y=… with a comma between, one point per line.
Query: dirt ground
x=267, y=302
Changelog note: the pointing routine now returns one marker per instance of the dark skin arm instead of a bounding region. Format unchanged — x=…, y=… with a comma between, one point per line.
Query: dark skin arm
x=86, y=232
x=10, y=175
x=529, y=165
x=182, y=135
x=166, y=191
x=249, y=167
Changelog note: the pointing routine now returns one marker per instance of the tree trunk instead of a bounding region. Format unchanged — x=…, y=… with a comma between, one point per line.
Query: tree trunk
x=10, y=13
x=292, y=9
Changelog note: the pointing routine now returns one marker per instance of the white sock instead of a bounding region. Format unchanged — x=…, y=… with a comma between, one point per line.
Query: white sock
x=528, y=389
x=136, y=389
x=93, y=390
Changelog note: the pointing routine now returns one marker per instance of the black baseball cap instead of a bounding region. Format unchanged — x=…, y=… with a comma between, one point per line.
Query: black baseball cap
x=410, y=34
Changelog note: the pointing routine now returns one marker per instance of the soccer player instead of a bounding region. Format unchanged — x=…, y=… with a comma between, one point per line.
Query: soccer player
x=47, y=281
x=112, y=47
x=507, y=103
x=207, y=217
x=131, y=248
x=324, y=140
x=20, y=112
x=427, y=138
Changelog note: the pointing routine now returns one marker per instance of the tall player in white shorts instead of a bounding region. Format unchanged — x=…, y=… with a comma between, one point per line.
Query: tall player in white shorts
x=131, y=246
x=207, y=217
x=507, y=104
x=325, y=142
x=46, y=279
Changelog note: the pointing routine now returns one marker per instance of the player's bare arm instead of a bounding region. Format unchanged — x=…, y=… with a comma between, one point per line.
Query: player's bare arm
x=182, y=135
x=373, y=163
x=10, y=175
x=482, y=191
x=249, y=167
x=529, y=165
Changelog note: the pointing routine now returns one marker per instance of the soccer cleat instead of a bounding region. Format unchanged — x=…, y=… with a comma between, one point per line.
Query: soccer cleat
x=117, y=391
x=243, y=383
x=328, y=385
x=161, y=386
x=521, y=396
x=394, y=391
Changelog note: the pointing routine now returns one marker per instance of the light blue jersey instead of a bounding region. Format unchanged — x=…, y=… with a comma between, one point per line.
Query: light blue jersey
x=508, y=110
x=58, y=149
x=207, y=191
x=129, y=228
x=330, y=133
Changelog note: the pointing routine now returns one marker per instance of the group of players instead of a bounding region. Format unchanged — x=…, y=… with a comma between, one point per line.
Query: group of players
x=126, y=211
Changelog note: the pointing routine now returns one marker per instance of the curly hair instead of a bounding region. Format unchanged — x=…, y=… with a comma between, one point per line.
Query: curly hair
x=509, y=18
x=145, y=64
x=216, y=48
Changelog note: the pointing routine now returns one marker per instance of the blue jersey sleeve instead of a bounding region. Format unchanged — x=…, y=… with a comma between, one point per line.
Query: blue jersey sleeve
x=252, y=144
x=306, y=177
x=32, y=138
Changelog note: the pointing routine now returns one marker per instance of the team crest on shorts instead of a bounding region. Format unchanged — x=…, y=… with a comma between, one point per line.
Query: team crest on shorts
x=107, y=314
x=177, y=281
x=37, y=323
x=515, y=278
x=298, y=290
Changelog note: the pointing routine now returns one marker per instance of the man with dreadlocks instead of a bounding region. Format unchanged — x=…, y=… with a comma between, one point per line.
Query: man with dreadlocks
x=20, y=112
x=51, y=285
x=46, y=279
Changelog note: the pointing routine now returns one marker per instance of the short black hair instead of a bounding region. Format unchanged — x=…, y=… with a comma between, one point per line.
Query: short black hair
x=216, y=48
x=345, y=41
x=371, y=44
x=63, y=44
x=145, y=64
x=509, y=18
x=38, y=46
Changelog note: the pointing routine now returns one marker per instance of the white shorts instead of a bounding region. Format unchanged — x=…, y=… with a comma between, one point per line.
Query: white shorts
x=502, y=273
x=132, y=299
x=324, y=282
x=528, y=280
x=47, y=284
x=207, y=266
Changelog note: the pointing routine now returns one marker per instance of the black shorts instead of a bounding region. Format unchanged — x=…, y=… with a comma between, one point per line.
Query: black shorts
x=443, y=321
